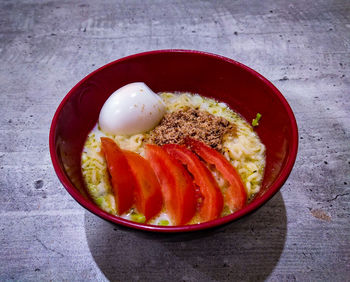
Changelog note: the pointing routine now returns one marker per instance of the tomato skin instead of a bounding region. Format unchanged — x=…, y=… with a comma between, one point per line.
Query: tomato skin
x=122, y=178
x=235, y=195
x=212, y=203
x=176, y=184
x=148, y=195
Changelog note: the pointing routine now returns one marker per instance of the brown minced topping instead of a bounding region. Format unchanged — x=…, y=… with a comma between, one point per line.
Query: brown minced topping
x=200, y=125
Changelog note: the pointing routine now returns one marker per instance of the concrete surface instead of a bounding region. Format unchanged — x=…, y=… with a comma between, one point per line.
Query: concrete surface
x=303, y=47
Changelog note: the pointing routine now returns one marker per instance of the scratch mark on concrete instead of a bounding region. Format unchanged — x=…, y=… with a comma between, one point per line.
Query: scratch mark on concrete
x=47, y=248
x=336, y=197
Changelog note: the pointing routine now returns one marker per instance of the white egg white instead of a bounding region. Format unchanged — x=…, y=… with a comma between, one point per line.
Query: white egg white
x=132, y=109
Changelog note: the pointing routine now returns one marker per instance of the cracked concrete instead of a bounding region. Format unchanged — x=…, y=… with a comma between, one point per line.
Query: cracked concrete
x=303, y=233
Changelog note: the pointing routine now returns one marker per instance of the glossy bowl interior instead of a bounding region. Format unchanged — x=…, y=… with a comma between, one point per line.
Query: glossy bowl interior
x=243, y=89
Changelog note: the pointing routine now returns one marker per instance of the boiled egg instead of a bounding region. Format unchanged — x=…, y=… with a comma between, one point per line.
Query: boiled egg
x=132, y=109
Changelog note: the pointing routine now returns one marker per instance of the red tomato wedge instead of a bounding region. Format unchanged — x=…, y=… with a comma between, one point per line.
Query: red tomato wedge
x=213, y=202
x=176, y=184
x=235, y=195
x=148, y=195
x=122, y=177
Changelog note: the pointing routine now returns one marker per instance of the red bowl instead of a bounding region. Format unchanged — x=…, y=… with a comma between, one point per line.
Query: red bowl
x=243, y=89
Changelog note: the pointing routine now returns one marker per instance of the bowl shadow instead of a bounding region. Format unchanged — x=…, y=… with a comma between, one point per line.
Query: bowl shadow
x=244, y=250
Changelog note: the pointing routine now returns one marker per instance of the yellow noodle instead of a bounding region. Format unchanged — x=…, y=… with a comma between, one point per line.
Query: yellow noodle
x=244, y=150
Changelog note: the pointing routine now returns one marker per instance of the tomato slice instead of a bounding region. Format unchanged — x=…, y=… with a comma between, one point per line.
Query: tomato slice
x=122, y=178
x=148, y=195
x=176, y=184
x=235, y=195
x=212, y=203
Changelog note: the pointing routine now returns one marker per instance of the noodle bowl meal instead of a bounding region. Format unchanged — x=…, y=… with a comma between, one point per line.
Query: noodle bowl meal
x=171, y=158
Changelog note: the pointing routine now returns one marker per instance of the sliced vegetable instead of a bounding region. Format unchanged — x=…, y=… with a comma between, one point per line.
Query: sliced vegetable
x=122, y=178
x=176, y=184
x=235, y=195
x=137, y=217
x=212, y=201
x=148, y=195
x=255, y=122
x=163, y=222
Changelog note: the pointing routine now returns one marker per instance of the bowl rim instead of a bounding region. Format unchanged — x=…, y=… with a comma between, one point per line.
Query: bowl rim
x=274, y=187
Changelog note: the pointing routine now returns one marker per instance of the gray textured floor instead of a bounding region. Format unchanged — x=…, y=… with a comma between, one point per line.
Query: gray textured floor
x=303, y=47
